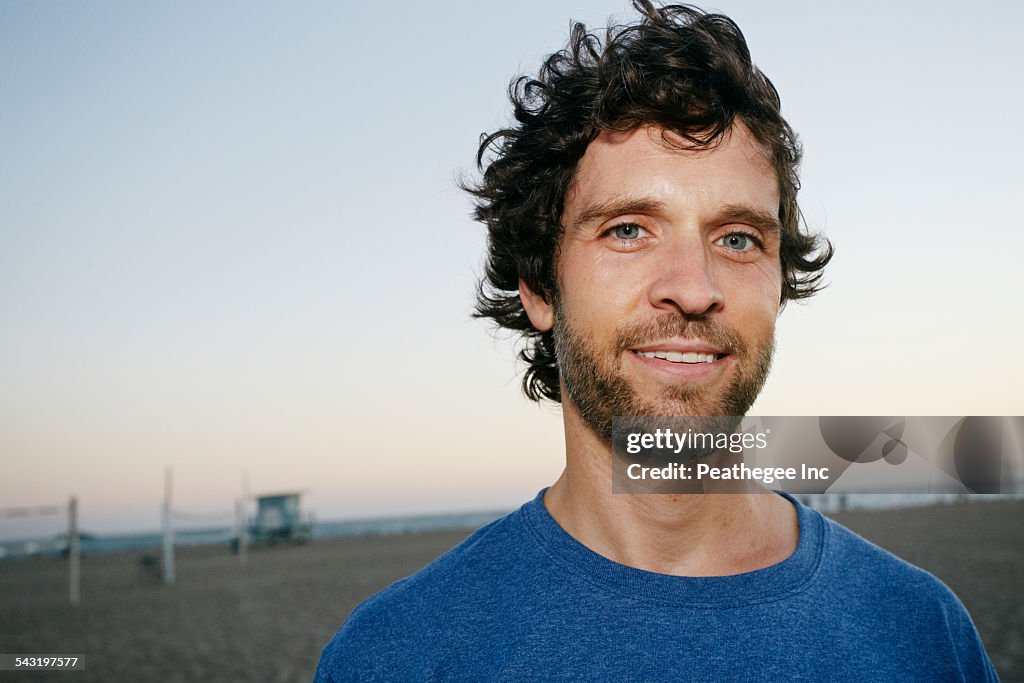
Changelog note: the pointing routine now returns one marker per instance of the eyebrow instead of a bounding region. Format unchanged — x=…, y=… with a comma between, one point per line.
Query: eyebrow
x=764, y=221
x=616, y=207
x=730, y=213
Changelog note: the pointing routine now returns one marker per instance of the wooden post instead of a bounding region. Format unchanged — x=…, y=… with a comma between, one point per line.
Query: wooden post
x=243, y=532
x=245, y=508
x=168, y=531
x=74, y=553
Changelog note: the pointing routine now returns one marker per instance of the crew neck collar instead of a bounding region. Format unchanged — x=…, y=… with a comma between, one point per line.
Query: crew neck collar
x=705, y=592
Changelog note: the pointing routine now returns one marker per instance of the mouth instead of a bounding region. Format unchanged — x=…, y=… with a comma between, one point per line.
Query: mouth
x=687, y=357
x=682, y=360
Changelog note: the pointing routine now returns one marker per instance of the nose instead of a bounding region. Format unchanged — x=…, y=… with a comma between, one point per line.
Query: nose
x=684, y=280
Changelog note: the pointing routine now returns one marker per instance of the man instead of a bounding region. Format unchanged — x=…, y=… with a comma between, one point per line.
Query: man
x=643, y=236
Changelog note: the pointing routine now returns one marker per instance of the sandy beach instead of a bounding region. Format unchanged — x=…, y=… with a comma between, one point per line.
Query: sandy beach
x=268, y=620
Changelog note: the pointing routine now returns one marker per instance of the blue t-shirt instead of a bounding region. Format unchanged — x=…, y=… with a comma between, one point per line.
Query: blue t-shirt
x=522, y=600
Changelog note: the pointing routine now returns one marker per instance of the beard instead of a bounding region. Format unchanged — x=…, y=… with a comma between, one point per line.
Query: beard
x=594, y=381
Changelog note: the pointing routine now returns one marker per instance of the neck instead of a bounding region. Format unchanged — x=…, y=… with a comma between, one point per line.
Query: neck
x=679, y=534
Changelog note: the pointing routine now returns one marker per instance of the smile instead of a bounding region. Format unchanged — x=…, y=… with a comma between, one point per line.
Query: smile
x=677, y=357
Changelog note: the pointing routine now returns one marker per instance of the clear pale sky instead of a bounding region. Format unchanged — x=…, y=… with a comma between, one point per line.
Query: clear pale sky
x=231, y=239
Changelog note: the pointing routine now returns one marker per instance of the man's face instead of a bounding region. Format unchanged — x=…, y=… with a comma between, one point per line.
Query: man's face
x=668, y=276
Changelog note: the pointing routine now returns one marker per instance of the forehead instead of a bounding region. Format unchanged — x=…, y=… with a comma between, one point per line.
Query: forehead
x=652, y=162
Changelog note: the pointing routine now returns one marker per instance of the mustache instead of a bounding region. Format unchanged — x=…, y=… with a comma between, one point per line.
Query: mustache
x=671, y=326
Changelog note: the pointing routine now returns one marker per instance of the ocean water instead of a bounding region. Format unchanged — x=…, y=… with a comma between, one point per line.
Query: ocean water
x=56, y=544
x=90, y=543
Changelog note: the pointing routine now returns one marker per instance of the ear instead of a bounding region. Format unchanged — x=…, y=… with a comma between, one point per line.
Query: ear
x=537, y=309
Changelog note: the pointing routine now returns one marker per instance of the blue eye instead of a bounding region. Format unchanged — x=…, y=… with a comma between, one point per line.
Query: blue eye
x=738, y=241
x=627, y=231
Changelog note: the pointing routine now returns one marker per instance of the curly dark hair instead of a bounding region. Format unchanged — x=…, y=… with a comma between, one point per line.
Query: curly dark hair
x=678, y=68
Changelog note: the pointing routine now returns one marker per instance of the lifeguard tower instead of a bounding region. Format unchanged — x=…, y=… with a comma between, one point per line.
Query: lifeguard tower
x=280, y=518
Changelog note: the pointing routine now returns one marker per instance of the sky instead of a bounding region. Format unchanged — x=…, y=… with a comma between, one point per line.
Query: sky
x=232, y=241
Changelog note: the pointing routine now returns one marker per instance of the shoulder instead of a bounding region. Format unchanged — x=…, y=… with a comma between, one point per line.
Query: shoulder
x=865, y=564
x=412, y=615
x=887, y=592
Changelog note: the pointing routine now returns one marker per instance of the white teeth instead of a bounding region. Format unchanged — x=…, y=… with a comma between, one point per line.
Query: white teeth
x=677, y=357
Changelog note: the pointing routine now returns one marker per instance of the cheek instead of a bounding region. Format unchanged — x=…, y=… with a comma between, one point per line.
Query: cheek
x=768, y=282
x=595, y=286
x=754, y=293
